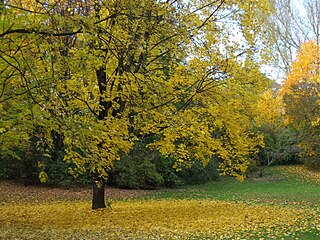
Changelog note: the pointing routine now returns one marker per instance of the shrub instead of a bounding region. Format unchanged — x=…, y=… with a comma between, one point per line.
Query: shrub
x=147, y=169
x=165, y=168
x=135, y=173
x=20, y=167
x=312, y=162
x=200, y=174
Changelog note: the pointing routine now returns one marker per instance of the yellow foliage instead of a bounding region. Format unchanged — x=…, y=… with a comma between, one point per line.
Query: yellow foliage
x=301, y=94
x=43, y=177
x=306, y=69
x=269, y=109
x=105, y=73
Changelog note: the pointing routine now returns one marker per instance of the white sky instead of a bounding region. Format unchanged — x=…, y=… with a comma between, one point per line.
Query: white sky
x=299, y=5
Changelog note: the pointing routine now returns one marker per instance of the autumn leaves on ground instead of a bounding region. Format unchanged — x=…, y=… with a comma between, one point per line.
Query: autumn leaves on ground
x=283, y=204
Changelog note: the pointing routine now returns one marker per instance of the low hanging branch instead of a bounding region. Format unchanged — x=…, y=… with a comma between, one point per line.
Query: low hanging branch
x=30, y=31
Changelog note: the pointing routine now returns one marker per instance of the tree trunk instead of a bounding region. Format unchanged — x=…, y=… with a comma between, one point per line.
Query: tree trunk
x=98, y=194
x=58, y=144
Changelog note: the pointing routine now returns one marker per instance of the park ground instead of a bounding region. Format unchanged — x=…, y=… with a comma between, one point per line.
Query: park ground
x=284, y=204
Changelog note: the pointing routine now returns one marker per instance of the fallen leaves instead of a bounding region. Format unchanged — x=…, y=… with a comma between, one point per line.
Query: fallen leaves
x=49, y=213
x=154, y=219
x=14, y=192
x=303, y=172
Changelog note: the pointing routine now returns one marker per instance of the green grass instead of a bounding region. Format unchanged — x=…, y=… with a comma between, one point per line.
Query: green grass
x=273, y=187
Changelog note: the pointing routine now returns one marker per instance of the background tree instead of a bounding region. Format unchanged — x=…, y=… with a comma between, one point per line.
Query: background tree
x=291, y=24
x=102, y=74
x=280, y=141
x=301, y=97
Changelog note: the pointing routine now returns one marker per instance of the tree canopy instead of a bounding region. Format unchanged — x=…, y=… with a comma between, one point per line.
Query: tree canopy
x=99, y=75
x=301, y=98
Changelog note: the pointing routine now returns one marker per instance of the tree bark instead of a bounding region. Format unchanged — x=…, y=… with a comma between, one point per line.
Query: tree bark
x=58, y=144
x=98, y=194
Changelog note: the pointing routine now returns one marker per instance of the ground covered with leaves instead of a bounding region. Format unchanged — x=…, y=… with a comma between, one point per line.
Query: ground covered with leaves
x=220, y=210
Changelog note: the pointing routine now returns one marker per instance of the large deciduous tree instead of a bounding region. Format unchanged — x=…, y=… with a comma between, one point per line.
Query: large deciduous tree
x=102, y=74
x=301, y=91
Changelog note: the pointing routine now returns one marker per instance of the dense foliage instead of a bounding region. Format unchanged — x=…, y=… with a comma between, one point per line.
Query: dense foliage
x=281, y=142
x=147, y=169
x=143, y=168
x=301, y=97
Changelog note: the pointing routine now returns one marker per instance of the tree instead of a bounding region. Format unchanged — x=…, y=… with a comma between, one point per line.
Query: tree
x=291, y=25
x=301, y=97
x=280, y=141
x=104, y=73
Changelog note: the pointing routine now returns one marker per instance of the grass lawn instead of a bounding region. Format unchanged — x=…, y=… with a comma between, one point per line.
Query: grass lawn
x=285, y=204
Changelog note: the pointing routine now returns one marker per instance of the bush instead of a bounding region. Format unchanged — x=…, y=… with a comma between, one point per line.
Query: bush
x=281, y=146
x=135, y=173
x=312, y=162
x=137, y=170
x=19, y=167
x=199, y=174
x=147, y=169
x=26, y=165
x=57, y=171
x=165, y=168
x=143, y=168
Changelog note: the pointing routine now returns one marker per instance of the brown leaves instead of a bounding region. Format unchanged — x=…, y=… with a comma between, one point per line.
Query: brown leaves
x=16, y=193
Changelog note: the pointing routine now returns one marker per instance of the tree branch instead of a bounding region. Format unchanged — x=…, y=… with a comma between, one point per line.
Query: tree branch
x=30, y=31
